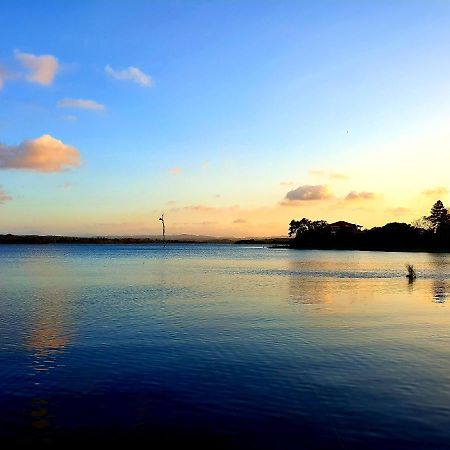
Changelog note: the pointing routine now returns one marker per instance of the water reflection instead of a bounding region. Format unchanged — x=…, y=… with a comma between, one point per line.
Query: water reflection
x=410, y=285
x=309, y=291
x=440, y=263
x=39, y=414
x=47, y=333
x=440, y=291
x=49, y=329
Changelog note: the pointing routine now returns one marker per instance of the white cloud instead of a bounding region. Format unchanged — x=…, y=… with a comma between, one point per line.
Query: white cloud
x=131, y=74
x=44, y=154
x=80, y=103
x=42, y=69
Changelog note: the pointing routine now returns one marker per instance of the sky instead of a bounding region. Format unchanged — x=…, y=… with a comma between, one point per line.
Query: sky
x=230, y=117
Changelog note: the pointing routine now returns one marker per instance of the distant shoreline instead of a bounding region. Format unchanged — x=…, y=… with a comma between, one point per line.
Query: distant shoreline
x=99, y=240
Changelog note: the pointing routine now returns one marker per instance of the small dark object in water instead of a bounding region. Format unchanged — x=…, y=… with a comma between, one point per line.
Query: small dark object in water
x=411, y=272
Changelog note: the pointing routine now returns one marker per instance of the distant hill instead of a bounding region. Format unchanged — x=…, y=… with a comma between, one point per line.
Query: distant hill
x=185, y=237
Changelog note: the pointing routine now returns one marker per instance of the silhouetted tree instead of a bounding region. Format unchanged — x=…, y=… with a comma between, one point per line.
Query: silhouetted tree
x=422, y=224
x=429, y=233
x=320, y=225
x=297, y=227
x=306, y=226
x=438, y=217
x=294, y=225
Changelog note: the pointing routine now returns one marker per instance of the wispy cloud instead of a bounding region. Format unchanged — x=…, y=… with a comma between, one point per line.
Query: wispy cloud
x=328, y=174
x=309, y=193
x=317, y=173
x=287, y=183
x=4, y=197
x=70, y=118
x=5, y=75
x=338, y=176
x=204, y=223
x=353, y=195
x=80, y=103
x=239, y=221
x=206, y=208
x=67, y=185
x=44, y=154
x=133, y=74
x=175, y=170
x=399, y=211
x=41, y=69
x=436, y=192
x=199, y=208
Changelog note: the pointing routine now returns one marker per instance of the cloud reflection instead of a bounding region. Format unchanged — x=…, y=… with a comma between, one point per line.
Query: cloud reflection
x=48, y=331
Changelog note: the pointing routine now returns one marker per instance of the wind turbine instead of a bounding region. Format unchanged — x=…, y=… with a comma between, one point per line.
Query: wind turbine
x=163, y=228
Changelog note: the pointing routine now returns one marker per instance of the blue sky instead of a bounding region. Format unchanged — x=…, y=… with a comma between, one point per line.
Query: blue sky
x=247, y=101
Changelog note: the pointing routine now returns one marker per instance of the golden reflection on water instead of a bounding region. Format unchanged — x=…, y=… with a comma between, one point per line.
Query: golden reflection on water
x=310, y=291
x=49, y=329
x=40, y=420
x=441, y=288
x=353, y=295
x=440, y=291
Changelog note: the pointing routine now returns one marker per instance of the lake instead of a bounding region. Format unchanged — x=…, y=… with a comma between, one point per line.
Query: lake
x=224, y=346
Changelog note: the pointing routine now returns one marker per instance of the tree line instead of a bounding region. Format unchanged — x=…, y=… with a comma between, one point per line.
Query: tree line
x=429, y=233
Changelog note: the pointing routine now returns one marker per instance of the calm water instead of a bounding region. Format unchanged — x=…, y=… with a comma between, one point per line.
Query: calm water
x=224, y=347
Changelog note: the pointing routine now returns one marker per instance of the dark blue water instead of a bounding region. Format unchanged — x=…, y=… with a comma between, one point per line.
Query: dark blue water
x=223, y=347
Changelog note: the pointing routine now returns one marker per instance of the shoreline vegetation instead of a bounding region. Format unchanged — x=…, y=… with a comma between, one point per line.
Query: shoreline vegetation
x=428, y=234
x=45, y=240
